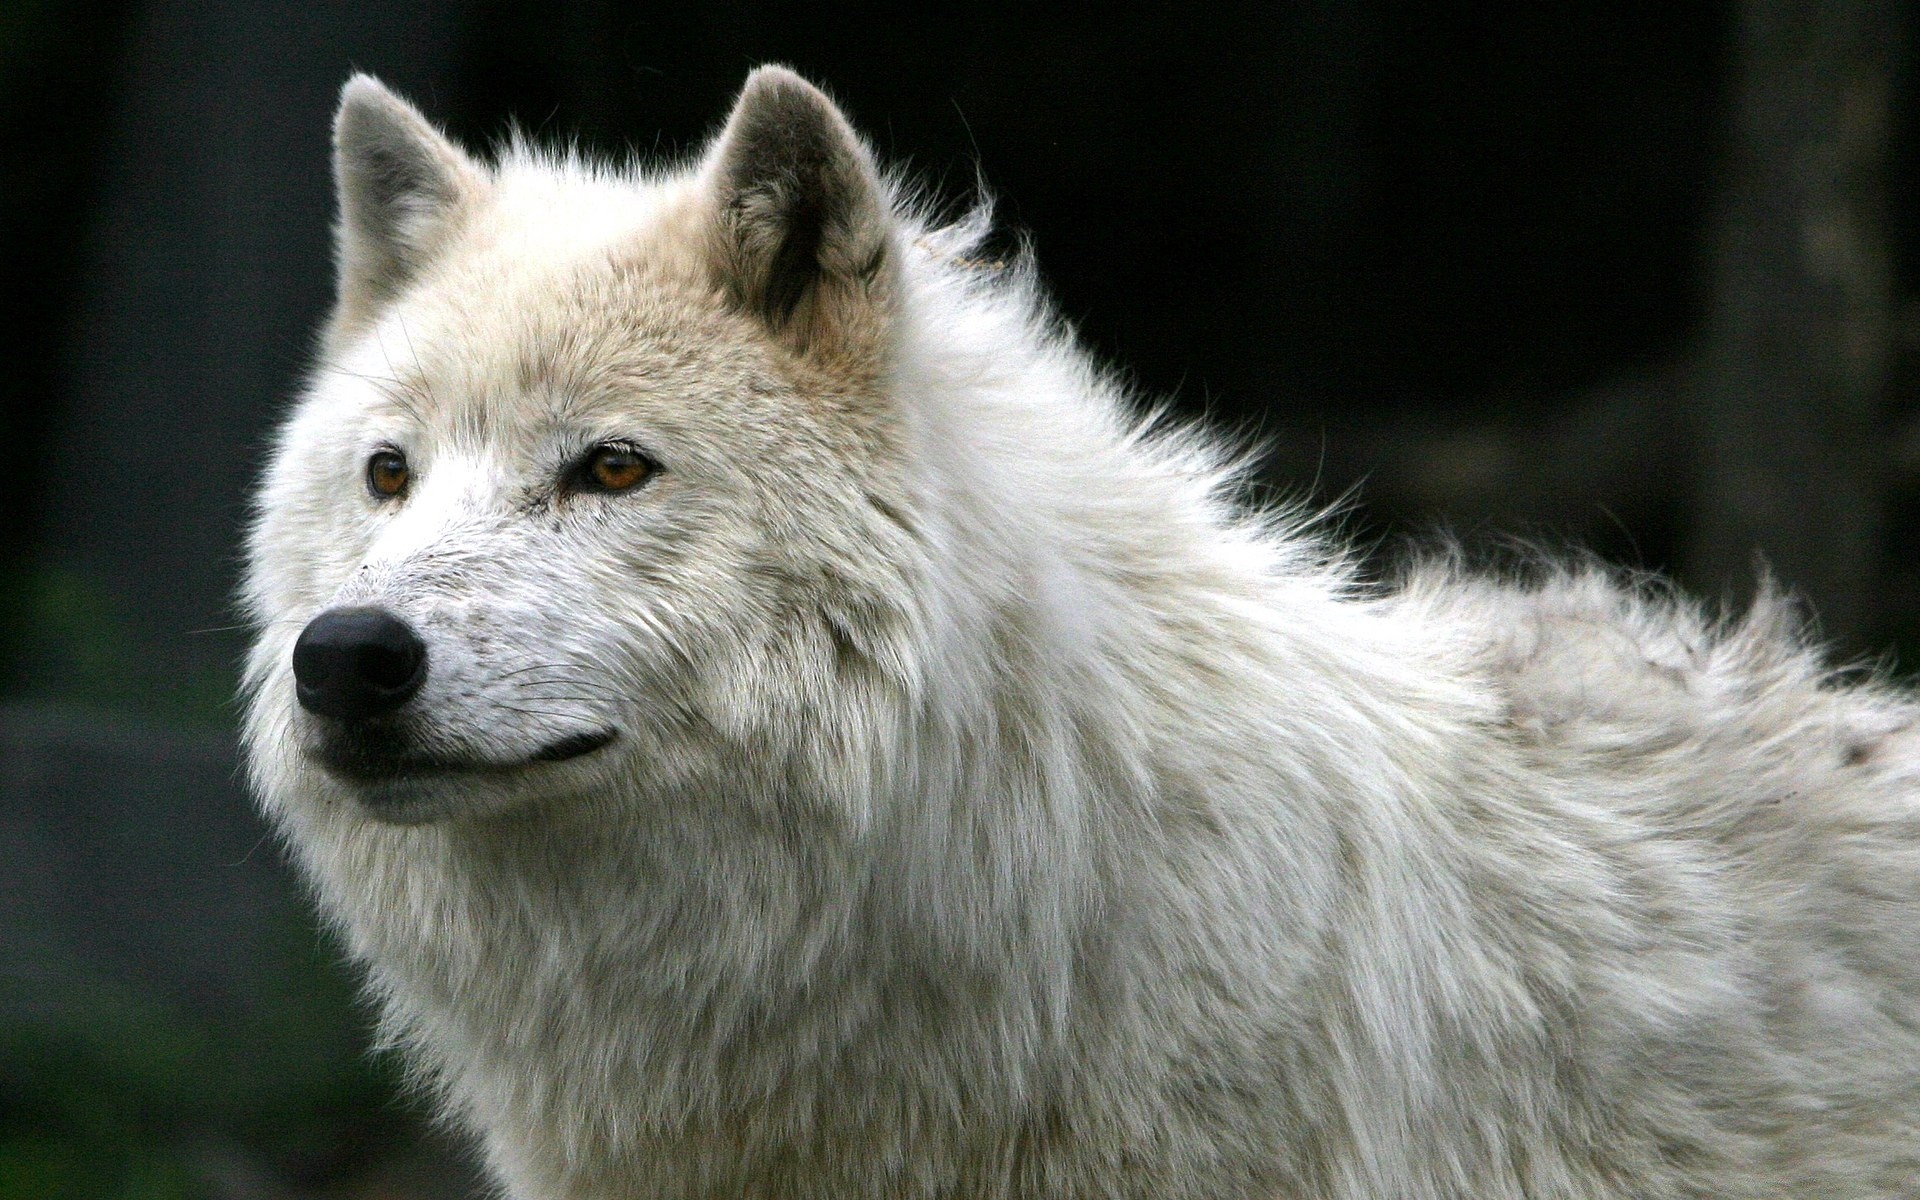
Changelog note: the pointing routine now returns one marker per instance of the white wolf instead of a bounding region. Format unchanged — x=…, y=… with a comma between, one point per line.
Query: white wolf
x=772, y=723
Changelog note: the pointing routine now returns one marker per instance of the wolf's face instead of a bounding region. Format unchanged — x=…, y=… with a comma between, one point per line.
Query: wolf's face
x=591, y=481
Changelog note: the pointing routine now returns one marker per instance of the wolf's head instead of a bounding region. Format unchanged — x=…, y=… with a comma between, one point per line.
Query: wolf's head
x=596, y=480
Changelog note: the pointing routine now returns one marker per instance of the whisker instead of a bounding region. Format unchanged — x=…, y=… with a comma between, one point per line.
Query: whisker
x=569, y=699
x=535, y=667
x=395, y=391
x=528, y=710
x=248, y=625
x=579, y=687
x=426, y=384
x=407, y=394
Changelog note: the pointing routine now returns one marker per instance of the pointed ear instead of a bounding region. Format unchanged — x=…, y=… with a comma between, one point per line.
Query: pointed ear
x=802, y=226
x=401, y=188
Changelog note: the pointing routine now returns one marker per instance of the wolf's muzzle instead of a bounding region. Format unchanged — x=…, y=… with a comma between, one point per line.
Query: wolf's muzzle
x=357, y=663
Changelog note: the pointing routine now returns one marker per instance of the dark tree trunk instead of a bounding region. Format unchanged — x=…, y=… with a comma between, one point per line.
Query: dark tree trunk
x=1795, y=360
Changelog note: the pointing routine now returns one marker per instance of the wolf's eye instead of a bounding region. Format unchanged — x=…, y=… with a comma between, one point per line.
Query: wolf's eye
x=387, y=474
x=612, y=468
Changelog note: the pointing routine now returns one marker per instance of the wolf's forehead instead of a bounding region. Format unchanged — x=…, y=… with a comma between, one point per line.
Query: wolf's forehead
x=619, y=324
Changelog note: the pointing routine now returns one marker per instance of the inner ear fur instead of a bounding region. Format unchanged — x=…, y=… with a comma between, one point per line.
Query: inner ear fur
x=401, y=187
x=802, y=226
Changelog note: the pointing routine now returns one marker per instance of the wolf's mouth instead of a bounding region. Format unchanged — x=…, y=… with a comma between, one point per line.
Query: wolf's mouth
x=373, y=758
x=572, y=747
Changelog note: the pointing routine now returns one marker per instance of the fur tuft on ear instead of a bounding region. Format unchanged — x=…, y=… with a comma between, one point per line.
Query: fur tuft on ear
x=803, y=227
x=401, y=184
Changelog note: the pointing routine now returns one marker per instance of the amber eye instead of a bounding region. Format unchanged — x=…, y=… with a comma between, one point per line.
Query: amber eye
x=387, y=474
x=613, y=469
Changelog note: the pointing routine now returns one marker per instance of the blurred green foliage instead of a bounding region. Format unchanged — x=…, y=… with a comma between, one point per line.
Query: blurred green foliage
x=117, y=1093
x=82, y=650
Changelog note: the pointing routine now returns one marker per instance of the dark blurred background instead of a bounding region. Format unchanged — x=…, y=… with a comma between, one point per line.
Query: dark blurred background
x=1630, y=275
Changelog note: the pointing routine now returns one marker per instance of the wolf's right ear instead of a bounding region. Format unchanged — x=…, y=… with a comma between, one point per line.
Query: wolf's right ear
x=401, y=186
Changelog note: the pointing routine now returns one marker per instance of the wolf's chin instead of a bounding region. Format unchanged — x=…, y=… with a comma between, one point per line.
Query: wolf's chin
x=427, y=799
x=424, y=802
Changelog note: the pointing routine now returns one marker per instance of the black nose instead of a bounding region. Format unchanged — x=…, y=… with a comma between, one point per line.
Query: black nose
x=355, y=663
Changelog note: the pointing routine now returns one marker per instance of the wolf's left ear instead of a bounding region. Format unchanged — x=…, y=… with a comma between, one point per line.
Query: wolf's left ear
x=802, y=225
x=402, y=186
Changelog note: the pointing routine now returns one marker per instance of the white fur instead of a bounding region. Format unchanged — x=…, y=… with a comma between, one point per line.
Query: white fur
x=1000, y=809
